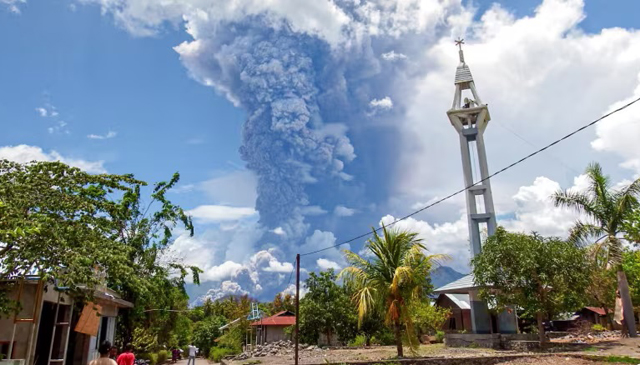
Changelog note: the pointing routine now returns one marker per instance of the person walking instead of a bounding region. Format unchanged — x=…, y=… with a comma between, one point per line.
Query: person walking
x=175, y=355
x=127, y=357
x=104, y=351
x=192, y=354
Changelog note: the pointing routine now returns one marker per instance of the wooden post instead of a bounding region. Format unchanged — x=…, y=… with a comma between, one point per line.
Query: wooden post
x=297, y=305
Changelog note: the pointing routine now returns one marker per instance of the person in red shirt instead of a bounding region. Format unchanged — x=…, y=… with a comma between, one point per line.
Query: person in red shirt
x=127, y=357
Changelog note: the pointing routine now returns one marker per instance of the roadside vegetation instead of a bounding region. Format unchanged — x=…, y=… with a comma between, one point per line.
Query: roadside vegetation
x=89, y=230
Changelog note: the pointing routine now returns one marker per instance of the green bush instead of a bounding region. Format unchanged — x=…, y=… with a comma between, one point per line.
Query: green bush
x=233, y=339
x=360, y=340
x=384, y=337
x=439, y=336
x=163, y=355
x=217, y=353
x=153, y=358
x=597, y=327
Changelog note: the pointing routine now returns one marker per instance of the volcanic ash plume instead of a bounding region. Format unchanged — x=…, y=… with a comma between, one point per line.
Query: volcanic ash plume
x=285, y=141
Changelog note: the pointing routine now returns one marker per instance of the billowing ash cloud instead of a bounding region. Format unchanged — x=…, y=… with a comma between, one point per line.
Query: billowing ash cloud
x=286, y=140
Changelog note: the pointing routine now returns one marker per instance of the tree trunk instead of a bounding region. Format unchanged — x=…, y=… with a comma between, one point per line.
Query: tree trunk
x=627, y=305
x=398, y=338
x=541, y=337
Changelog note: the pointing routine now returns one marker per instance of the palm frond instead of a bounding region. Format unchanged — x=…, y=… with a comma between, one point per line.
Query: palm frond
x=582, y=233
x=579, y=202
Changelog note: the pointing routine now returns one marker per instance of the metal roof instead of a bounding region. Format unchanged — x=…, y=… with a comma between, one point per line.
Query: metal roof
x=461, y=300
x=460, y=286
x=284, y=318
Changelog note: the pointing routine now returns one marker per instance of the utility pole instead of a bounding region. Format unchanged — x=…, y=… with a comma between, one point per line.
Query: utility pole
x=297, y=305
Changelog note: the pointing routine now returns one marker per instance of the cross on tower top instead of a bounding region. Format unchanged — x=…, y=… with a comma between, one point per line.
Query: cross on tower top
x=459, y=42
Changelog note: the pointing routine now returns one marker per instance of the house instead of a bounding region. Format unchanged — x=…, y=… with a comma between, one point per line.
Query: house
x=589, y=315
x=51, y=328
x=594, y=315
x=458, y=304
x=459, y=290
x=272, y=329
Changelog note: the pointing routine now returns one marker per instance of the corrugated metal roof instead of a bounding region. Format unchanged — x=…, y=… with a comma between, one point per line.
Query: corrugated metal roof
x=284, y=318
x=459, y=286
x=599, y=311
x=461, y=300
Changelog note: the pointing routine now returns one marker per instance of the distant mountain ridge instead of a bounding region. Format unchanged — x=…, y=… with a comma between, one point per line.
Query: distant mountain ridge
x=443, y=275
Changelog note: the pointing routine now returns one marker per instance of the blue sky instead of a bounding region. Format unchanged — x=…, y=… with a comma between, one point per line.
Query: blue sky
x=346, y=123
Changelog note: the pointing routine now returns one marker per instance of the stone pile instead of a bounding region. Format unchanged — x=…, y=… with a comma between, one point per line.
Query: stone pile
x=590, y=337
x=278, y=348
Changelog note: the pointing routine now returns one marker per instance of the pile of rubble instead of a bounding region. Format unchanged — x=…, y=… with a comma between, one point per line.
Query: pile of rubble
x=591, y=337
x=278, y=348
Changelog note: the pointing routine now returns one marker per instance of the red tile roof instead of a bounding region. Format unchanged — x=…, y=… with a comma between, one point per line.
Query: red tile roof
x=283, y=318
x=599, y=311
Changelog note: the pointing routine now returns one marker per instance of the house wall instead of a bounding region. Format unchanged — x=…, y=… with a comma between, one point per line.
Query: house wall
x=21, y=338
x=22, y=330
x=275, y=333
x=462, y=316
x=110, y=312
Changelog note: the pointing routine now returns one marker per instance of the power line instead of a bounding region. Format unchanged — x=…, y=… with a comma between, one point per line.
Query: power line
x=556, y=158
x=481, y=181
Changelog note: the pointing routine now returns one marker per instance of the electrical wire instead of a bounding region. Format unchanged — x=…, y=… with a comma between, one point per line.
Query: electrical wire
x=481, y=181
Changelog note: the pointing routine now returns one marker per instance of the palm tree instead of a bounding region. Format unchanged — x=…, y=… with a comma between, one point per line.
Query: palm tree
x=605, y=210
x=395, y=276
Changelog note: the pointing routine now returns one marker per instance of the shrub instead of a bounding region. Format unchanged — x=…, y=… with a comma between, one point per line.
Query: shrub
x=217, y=353
x=233, y=339
x=384, y=337
x=360, y=340
x=163, y=355
x=597, y=327
x=439, y=336
x=153, y=358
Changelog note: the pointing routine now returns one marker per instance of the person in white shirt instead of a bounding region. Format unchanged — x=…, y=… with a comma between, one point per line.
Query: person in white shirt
x=192, y=354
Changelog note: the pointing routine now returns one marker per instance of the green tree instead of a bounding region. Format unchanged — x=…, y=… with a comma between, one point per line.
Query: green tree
x=55, y=223
x=396, y=276
x=428, y=318
x=631, y=226
x=631, y=265
x=326, y=309
x=146, y=230
x=282, y=303
x=206, y=332
x=606, y=210
x=545, y=276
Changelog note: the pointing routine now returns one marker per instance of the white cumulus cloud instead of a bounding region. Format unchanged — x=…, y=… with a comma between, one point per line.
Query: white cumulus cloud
x=342, y=211
x=324, y=264
x=24, y=153
x=109, y=135
x=384, y=103
x=220, y=213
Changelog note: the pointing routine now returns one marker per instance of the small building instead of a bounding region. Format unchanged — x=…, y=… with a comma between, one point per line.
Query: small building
x=594, y=315
x=461, y=288
x=588, y=315
x=49, y=328
x=272, y=329
x=460, y=318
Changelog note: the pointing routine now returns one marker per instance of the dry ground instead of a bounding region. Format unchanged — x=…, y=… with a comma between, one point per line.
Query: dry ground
x=619, y=347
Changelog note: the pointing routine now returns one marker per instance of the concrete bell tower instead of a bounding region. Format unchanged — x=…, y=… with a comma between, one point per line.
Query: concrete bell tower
x=470, y=116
